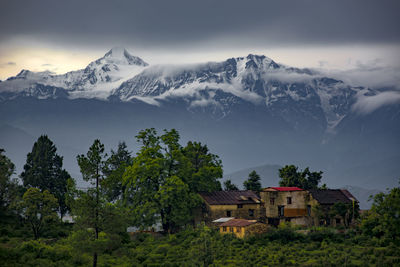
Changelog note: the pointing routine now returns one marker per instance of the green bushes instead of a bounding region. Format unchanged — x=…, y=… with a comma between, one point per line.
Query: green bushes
x=204, y=246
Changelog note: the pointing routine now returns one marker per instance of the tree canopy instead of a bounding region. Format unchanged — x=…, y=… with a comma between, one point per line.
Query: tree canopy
x=163, y=181
x=383, y=220
x=43, y=170
x=39, y=208
x=290, y=176
x=229, y=186
x=8, y=187
x=253, y=182
x=114, y=169
x=91, y=208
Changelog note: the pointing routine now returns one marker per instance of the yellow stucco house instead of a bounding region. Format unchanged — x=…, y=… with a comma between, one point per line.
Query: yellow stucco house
x=238, y=227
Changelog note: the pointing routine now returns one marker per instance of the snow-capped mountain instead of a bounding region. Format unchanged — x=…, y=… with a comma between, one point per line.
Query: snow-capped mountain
x=301, y=97
x=290, y=92
x=95, y=81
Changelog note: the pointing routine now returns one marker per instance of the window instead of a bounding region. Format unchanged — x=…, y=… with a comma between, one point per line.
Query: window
x=237, y=229
x=231, y=229
x=240, y=206
x=251, y=213
x=309, y=210
x=228, y=213
x=281, y=211
x=272, y=201
x=337, y=220
x=289, y=200
x=223, y=228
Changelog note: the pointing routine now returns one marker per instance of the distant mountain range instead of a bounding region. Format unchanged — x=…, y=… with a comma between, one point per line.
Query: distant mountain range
x=249, y=110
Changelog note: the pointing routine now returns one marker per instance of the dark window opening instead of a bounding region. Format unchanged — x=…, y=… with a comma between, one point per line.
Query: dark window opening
x=251, y=213
x=223, y=228
x=231, y=229
x=272, y=201
x=338, y=221
x=308, y=210
x=228, y=213
x=240, y=206
x=237, y=229
x=281, y=211
x=287, y=220
x=289, y=200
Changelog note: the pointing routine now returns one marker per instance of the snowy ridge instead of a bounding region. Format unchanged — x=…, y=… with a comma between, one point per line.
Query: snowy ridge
x=291, y=93
x=95, y=81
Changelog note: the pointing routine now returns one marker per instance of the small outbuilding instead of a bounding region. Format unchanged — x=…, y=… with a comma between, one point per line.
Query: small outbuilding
x=237, y=227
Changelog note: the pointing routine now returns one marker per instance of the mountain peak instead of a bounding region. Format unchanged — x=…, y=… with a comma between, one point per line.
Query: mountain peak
x=260, y=61
x=120, y=54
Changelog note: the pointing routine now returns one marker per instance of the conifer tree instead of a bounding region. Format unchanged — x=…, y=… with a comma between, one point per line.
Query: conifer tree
x=43, y=170
x=253, y=182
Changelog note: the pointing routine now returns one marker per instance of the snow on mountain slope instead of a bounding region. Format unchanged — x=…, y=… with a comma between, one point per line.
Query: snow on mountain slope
x=299, y=96
x=290, y=92
x=95, y=81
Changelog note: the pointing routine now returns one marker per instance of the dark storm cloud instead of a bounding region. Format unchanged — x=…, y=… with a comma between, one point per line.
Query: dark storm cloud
x=160, y=23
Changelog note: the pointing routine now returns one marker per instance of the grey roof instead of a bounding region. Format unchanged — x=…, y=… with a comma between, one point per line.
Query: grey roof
x=329, y=196
x=223, y=219
x=349, y=195
x=230, y=197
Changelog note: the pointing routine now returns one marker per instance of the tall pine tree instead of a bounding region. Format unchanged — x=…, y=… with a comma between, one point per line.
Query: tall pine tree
x=43, y=170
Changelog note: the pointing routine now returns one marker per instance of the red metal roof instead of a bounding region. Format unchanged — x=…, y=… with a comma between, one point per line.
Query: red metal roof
x=238, y=222
x=292, y=188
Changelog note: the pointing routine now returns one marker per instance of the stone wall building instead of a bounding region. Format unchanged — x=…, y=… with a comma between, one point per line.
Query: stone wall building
x=286, y=204
x=244, y=204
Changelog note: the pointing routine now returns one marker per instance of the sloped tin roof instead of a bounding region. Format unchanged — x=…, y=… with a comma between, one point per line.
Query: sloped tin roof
x=230, y=197
x=349, y=195
x=285, y=188
x=329, y=196
x=238, y=222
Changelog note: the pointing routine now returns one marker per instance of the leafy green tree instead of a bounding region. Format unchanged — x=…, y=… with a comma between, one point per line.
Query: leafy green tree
x=114, y=169
x=229, y=186
x=383, y=219
x=173, y=197
x=253, y=182
x=347, y=211
x=39, y=209
x=161, y=164
x=43, y=170
x=290, y=176
x=205, y=168
x=8, y=187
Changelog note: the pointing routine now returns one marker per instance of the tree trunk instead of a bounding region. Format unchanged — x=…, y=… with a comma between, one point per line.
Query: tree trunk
x=97, y=217
x=95, y=259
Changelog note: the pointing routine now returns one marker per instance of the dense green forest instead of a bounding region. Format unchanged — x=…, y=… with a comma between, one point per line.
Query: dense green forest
x=160, y=184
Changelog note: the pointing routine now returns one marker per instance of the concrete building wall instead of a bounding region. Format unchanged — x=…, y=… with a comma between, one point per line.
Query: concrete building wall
x=244, y=211
x=293, y=207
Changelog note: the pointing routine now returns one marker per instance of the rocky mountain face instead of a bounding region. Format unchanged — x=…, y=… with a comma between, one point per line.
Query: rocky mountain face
x=249, y=110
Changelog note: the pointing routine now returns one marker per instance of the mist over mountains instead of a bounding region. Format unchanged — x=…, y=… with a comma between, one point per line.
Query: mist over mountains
x=249, y=110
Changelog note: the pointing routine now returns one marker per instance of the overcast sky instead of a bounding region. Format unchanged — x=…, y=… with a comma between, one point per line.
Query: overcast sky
x=67, y=35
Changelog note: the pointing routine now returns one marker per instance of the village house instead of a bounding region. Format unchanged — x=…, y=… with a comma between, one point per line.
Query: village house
x=238, y=227
x=325, y=199
x=273, y=206
x=244, y=204
x=298, y=206
x=286, y=204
